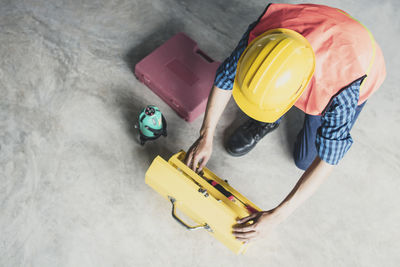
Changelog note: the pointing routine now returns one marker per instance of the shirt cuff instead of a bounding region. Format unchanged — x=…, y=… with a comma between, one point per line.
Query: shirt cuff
x=332, y=151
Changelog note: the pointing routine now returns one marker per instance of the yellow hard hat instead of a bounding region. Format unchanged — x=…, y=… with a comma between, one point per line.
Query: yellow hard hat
x=272, y=73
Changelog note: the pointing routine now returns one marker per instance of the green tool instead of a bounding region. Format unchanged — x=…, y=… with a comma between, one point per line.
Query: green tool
x=152, y=124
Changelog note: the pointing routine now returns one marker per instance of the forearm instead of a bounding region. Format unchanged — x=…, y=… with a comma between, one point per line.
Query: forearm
x=216, y=104
x=311, y=179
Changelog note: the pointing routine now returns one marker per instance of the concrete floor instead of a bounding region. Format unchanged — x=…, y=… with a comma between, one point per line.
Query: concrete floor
x=72, y=189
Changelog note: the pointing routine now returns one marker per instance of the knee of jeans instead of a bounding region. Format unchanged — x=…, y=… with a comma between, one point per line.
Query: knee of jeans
x=303, y=163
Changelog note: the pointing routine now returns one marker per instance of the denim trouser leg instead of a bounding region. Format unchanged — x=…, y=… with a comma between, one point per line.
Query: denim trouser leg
x=305, y=149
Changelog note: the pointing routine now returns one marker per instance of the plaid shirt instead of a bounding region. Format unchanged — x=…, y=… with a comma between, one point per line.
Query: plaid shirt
x=333, y=138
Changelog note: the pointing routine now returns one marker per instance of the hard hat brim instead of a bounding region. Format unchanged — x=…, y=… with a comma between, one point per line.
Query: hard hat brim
x=251, y=110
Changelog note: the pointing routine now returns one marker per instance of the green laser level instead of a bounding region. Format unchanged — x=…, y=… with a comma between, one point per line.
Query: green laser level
x=152, y=124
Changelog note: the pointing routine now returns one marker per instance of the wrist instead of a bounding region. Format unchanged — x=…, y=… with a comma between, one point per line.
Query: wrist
x=281, y=212
x=207, y=134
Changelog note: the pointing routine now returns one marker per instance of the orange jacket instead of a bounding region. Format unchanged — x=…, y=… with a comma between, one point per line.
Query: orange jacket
x=345, y=51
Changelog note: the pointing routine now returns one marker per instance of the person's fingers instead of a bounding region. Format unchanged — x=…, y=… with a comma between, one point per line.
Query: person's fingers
x=247, y=235
x=202, y=164
x=244, y=229
x=189, y=157
x=248, y=218
x=193, y=155
x=195, y=162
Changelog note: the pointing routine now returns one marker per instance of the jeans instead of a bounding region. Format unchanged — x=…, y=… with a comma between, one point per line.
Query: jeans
x=305, y=149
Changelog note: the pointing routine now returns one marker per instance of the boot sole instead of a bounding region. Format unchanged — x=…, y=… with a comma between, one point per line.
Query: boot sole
x=237, y=154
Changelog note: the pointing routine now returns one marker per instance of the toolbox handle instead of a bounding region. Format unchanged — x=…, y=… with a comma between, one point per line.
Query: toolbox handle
x=204, y=56
x=205, y=226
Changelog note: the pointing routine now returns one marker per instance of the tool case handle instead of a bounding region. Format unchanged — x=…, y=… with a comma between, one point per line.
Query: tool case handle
x=188, y=227
x=203, y=55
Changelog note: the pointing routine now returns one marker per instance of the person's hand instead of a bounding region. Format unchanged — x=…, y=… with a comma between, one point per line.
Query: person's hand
x=263, y=223
x=199, y=153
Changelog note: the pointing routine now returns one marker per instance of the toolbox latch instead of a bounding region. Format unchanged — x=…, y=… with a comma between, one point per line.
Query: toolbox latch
x=203, y=191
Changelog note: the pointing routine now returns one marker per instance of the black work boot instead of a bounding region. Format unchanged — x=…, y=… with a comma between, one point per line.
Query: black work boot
x=247, y=136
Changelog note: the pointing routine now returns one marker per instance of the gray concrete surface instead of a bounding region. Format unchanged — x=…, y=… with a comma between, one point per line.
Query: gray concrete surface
x=72, y=189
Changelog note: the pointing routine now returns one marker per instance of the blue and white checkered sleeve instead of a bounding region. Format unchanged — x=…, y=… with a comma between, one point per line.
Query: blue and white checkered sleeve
x=333, y=137
x=226, y=72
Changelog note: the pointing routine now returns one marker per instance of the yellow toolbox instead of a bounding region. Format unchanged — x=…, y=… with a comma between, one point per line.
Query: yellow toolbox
x=205, y=198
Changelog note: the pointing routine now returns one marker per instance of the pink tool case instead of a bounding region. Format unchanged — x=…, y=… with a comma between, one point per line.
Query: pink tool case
x=180, y=74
